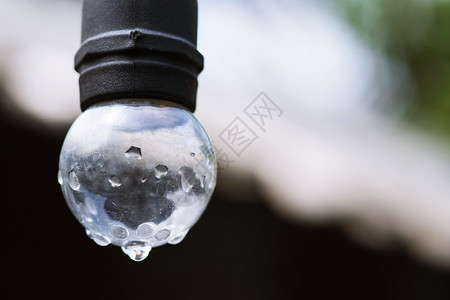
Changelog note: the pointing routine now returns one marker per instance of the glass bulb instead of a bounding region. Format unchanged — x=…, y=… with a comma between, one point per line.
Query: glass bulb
x=137, y=173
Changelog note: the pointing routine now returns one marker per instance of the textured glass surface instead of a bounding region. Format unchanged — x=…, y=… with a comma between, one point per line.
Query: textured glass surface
x=137, y=174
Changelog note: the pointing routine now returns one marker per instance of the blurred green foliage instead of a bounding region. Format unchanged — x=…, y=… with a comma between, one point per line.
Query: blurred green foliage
x=415, y=33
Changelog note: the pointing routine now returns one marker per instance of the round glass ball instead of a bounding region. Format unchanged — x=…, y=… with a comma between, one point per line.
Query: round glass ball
x=137, y=173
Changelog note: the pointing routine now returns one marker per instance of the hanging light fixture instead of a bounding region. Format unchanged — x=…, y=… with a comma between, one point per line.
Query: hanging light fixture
x=137, y=169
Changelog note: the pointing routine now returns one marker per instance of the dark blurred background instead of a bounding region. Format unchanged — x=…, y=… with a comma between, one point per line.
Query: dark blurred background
x=236, y=251
x=242, y=248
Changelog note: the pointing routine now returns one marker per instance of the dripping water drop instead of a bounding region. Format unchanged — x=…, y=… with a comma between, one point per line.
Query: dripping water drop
x=137, y=251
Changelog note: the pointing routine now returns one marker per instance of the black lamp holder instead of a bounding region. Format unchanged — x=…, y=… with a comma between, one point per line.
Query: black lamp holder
x=139, y=49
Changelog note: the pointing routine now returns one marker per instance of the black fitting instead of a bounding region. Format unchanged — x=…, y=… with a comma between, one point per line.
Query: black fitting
x=139, y=49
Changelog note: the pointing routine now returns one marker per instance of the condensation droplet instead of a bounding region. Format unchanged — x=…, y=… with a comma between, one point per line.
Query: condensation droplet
x=137, y=251
x=60, y=178
x=192, y=154
x=178, y=238
x=209, y=180
x=85, y=214
x=133, y=153
x=115, y=181
x=161, y=171
x=119, y=232
x=201, y=179
x=101, y=241
x=210, y=160
x=145, y=230
x=162, y=234
x=90, y=206
x=98, y=239
x=187, y=178
x=74, y=183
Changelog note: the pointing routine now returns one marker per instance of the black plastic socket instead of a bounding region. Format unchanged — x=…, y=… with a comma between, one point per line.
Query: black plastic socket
x=139, y=49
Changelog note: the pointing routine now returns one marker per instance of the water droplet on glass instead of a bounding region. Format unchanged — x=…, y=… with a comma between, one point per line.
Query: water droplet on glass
x=101, y=241
x=162, y=235
x=210, y=160
x=74, y=183
x=202, y=181
x=143, y=179
x=98, y=239
x=85, y=214
x=145, y=230
x=115, y=181
x=137, y=251
x=192, y=154
x=119, y=232
x=178, y=238
x=134, y=153
x=90, y=206
x=187, y=178
x=60, y=178
x=161, y=171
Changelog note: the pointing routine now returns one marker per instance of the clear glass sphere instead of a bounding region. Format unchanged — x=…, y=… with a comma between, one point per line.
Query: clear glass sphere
x=137, y=173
